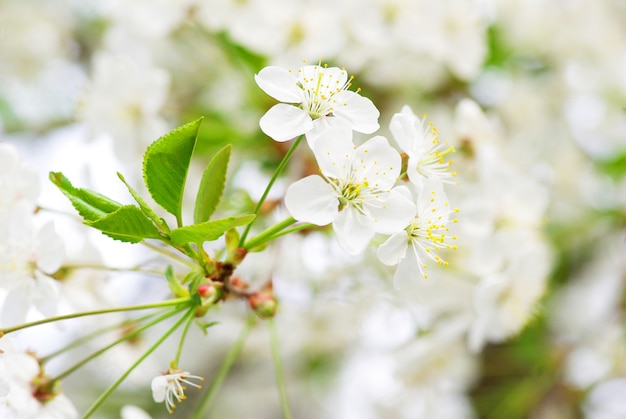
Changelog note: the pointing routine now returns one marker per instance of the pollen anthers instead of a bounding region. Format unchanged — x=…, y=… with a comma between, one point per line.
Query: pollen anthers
x=432, y=161
x=172, y=383
x=319, y=84
x=430, y=232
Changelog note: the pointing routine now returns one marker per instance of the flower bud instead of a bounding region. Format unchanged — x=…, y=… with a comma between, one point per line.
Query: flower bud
x=264, y=302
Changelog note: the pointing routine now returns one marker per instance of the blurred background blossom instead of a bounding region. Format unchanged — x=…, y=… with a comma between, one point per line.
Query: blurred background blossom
x=528, y=319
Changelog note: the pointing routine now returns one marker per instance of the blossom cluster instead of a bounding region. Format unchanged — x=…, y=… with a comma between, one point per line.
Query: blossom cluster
x=384, y=304
x=361, y=190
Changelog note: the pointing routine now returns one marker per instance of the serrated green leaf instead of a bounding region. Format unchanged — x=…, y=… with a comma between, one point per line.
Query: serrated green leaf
x=145, y=208
x=128, y=224
x=211, y=186
x=89, y=204
x=165, y=166
x=207, y=231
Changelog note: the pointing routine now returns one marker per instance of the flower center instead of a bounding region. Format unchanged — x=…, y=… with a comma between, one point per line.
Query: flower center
x=319, y=88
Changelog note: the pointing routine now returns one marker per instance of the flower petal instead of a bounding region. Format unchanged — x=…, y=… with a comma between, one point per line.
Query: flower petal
x=391, y=212
x=408, y=271
x=393, y=250
x=404, y=128
x=358, y=110
x=285, y=122
x=376, y=162
x=354, y=230
x=279, y=83
x=159, y=387
x=334, y=151
x=312, y=200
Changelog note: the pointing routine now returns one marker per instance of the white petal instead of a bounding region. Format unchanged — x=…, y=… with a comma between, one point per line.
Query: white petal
x=5, y=383
x=408, y=272
x=49, y=249
x=159, y=388
x=334, y=151
x=376, y=162
x=404, y=128
x=44, y=294
x=279, y=83
x=16, y=306
x=133, y=412
x=392, y=251
x=391, y=212
x=354, y=231
x=59, y=407
x=431, y=202
x=285, y=122
x=312, y=200
x=321, y=124
x=358, y=110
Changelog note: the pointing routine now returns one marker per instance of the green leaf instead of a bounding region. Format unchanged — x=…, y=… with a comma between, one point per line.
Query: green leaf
x=89, y=204
x=145, y=208
x=212, y=186
x=128, y=224
x=207, y=231
x=165, y=166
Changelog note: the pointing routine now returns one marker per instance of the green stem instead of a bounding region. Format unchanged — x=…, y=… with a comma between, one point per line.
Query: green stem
x=280, y=375
x=169, y=303
x=268, y=234
x=207, y=399
x=170, y=255
x=113, y=386
x=97, y=333
x=109, y=268
x=294, y=229
x=183, y=335
x=117, y=342
x=277, y=173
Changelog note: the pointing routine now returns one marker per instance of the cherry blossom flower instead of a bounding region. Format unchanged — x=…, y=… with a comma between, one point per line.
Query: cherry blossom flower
x=18, y=182
x=420, y=141
x=170, y=387
x=27, y=256
x=22, y=394
x=422, y=237
x=315, y=98
x=355, y=191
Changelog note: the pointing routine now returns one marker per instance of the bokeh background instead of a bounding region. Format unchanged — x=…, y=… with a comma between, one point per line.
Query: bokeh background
x=527, y=321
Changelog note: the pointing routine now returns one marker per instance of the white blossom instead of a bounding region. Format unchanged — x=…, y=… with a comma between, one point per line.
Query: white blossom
x=355, y=191
x=315, y=97
x=27, y=257
x=420, y=141
x=18, y=395
x=169, y=387
x=427, y=233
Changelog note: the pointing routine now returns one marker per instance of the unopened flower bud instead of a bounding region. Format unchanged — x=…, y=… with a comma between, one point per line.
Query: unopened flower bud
x=206, y=290
x=264, y=303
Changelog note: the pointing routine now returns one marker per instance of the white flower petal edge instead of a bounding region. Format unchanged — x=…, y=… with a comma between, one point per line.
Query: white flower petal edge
x=285, y=122
x=313, y=200
x=354, y=230
x=279, y=83
x=358, y=110
x=392, y=251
